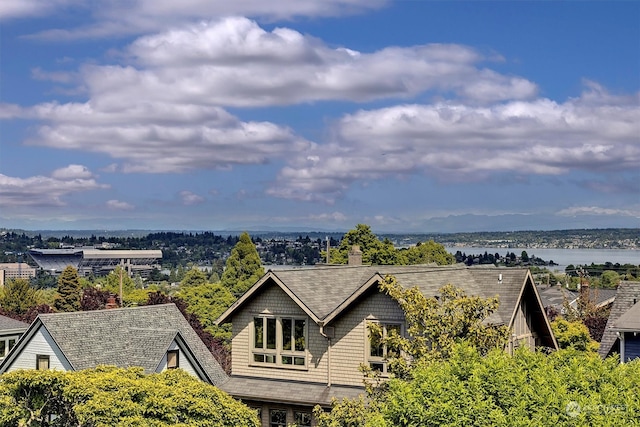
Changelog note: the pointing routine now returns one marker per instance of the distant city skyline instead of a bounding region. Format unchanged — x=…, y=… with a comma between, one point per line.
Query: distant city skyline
x=409, y=116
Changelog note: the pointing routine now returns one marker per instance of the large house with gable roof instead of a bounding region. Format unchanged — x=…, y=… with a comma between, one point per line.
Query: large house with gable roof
x=154, y=337
x=300, y=335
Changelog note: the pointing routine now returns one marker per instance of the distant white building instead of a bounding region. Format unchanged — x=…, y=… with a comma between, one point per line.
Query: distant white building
x=16, y=270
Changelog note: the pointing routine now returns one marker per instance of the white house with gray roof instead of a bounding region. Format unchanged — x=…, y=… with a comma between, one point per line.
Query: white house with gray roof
x=154, y=337
x=300, y=335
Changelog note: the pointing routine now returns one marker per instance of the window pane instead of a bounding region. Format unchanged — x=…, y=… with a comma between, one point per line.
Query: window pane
x=278, y=418
x=299, y=337
x=299, y=361
x=258, y=358
x=287, y=360
x=258, y=332
x=3, y=348
x=377, y=366
x=270, y=358
x=12, y=342
x=302, y=419
x=42, y=362
x=286, y=334
x=375, y=344
x=271, y=333
x=172, y=359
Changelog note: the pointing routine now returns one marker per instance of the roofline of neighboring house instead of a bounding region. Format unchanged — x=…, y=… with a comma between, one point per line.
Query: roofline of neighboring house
x=191, y=356
x=14, y=331
x=24, y=340
x=620, y=329
x=529, y=280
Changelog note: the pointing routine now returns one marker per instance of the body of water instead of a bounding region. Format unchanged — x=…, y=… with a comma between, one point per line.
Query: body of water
x=562, y=257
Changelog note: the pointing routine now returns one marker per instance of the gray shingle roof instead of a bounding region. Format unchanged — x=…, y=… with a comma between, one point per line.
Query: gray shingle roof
x=294, y=392
x=9, y=324
x=136, y=336
x=629, y=321
x=627, y=293
x=324, y=289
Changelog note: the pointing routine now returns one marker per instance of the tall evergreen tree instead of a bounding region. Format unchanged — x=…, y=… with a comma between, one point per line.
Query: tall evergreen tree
x=69, y=290
x=243, y=267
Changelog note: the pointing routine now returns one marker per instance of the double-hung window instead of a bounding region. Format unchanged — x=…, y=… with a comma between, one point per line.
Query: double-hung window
x=280, y=341
x=379, y=351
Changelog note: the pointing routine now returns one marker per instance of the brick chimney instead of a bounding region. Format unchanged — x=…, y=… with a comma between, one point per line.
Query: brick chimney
x=111, y=302
x=355, y=255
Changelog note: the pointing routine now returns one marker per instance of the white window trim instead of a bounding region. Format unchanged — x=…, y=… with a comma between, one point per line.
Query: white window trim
x=278, y=352
x=380, y=359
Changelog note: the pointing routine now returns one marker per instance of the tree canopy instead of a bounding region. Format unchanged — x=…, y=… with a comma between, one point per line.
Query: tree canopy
x=382, y=252
x=109, y=396
x=564, y=388
x=243, y=267
x=18, y=296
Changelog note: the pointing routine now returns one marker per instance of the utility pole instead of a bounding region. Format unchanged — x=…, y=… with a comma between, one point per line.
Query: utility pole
x=121, y=304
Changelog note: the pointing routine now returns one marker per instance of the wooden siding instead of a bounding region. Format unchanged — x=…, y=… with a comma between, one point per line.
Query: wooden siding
x=275, y=301
x=348, y=347
x=522, y=330
x=40, y=343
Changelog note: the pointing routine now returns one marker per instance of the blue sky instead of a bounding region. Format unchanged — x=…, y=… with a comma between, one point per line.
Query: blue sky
x=416, y=116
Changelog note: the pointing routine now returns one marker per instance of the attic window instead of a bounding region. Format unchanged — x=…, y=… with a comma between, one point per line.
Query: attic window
x=173, y=359
x=42, y=362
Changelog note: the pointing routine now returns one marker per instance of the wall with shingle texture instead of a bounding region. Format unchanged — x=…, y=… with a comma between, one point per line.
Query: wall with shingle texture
x=350, y=346
x=275, y=301
x=41, y=343
x=348, y=349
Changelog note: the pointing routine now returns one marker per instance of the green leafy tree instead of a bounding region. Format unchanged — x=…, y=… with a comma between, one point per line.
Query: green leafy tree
x=69, y=290
x=562, y=389
x=427, y=253
x=435, y=325
x=574, y=335
x=18, y=296
x=194, y=277
x=243, y=267
x=374, y=251
x=112, y=281
x=109, y=396
x=609, y=279
x=208, y=302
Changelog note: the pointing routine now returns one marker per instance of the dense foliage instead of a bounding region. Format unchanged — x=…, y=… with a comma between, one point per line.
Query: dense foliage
x=435, y=325
x=108, y=396
x=18, y=296
x=565, y=388
x=383, y=252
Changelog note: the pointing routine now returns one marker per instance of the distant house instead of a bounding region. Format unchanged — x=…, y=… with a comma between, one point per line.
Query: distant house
x=300, y=335
x=10, y=332
x=555, y=297
x=155, y=337
x=621, y=335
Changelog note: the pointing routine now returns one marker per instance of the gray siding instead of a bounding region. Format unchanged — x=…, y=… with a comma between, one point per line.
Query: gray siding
x=41, y=343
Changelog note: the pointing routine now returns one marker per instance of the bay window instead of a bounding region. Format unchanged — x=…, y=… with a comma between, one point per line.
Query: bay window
x=279, y=341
